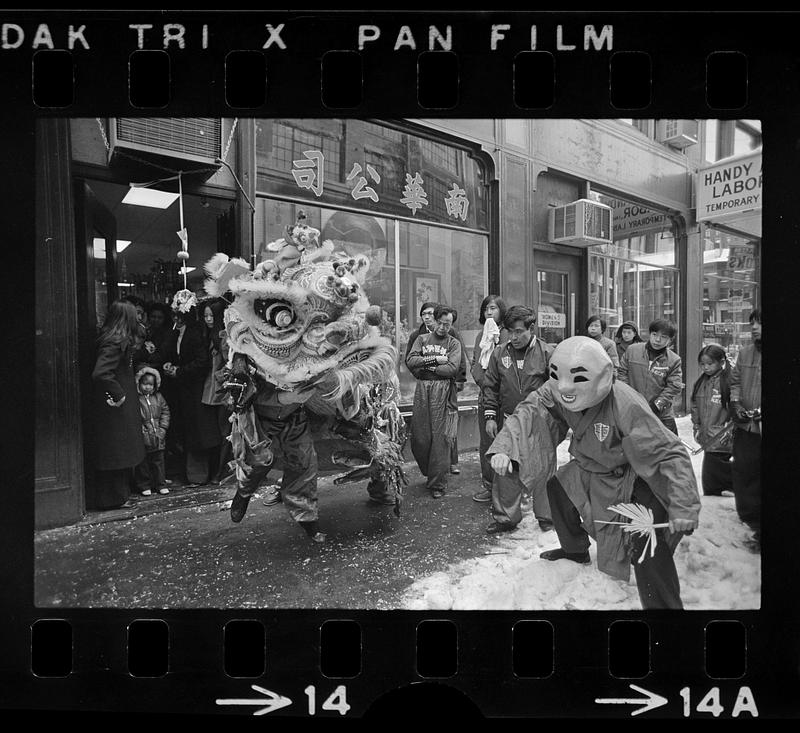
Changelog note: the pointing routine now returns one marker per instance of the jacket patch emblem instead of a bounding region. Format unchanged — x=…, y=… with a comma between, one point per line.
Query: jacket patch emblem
x=506, y=361
x=601, y=431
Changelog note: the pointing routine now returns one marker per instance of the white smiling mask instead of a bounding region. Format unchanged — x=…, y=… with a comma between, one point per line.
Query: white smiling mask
x=581, y=373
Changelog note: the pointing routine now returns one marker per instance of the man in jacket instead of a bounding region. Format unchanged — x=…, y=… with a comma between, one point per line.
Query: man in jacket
x=745, y=409
x=620, y=452
x=654, y=371
x=515, y=369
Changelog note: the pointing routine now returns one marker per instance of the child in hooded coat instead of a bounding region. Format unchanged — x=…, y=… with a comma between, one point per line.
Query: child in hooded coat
x=154, y=413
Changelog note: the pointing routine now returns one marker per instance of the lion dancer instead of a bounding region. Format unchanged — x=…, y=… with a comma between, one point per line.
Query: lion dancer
x=277, y=425
x=621, y=452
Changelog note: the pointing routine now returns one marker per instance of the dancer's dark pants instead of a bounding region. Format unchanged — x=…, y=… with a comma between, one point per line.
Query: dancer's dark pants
x=656, y=577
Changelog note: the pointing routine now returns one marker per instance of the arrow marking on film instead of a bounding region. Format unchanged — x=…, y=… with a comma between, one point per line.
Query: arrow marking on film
x=272, y=701
x=651, y=702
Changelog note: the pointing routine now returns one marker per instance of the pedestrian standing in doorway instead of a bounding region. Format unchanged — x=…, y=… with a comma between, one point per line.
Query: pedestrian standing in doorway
x=214, y=396
x=711, y=396
x=746, y=413
x=515, y=369
x=596, y=328
x=492, y=313
x=159, y=325
x=434, y=360
x=154, y=414
x=187, y=364
x=116, y=438
x=654, y=370
x=140, y=353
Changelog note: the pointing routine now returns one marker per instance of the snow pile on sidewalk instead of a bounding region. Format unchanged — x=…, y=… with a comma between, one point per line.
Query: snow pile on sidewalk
x=716, y=570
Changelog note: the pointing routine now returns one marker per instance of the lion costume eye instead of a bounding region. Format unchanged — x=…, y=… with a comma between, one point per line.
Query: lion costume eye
x=276, y=313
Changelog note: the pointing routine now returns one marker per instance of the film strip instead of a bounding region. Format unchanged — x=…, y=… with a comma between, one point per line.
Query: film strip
x=173, y=608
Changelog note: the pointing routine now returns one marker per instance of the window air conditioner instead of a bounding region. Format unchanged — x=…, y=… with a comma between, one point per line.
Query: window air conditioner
x=581, y=223
x=677, y=133
x=194, y=139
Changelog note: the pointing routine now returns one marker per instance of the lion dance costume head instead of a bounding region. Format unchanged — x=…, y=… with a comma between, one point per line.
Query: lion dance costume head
x=302, y=319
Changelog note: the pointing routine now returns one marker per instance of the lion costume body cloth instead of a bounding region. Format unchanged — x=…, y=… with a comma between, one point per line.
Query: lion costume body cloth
x=308, y=327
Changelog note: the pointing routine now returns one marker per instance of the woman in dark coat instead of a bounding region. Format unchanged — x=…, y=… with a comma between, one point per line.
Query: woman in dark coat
x=116, y=441
x=186, y=364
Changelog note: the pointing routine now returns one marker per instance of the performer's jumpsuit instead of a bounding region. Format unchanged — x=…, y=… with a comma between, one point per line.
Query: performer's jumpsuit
x=287, y=427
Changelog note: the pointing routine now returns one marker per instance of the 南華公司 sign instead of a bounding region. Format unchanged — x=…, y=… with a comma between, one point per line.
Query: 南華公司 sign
x=729, y=189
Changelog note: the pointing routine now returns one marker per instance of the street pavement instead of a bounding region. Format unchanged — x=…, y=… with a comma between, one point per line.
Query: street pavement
x=192, y=556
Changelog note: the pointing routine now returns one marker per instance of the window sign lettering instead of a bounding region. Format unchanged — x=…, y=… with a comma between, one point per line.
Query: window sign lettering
x=457, y=203
x=362, y=190
x=307, y=176
x=414, y=196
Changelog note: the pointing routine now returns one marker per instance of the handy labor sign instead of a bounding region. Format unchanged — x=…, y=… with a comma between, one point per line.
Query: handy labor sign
x=731, y=186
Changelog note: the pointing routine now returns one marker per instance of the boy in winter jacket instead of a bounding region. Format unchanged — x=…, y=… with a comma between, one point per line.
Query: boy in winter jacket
x=154, y=413
x=654, y=371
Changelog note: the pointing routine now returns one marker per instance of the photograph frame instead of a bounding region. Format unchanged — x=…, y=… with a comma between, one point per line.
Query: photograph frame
x=422, y=283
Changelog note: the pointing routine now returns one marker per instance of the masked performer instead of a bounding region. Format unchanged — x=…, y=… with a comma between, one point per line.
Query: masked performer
x=621, y=452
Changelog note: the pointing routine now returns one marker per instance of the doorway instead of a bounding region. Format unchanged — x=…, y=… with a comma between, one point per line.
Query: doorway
x=129, y=250
x=558, y=280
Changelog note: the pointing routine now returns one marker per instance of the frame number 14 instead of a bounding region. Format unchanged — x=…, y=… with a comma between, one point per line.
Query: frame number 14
x=337, y=700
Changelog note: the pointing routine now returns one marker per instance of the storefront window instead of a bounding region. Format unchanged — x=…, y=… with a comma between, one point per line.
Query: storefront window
x=456, y=275
x=430, y=263
x=416, y=206
x=730, y=289
x=635, y=278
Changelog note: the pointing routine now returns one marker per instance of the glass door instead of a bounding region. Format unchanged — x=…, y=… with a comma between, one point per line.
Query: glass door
x=553, y=308
x=557, y=280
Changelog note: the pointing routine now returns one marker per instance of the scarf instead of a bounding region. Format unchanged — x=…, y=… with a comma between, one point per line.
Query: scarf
x=491, y=335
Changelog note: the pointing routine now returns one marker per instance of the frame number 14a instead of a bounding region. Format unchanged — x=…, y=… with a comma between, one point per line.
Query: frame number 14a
x=710, y=703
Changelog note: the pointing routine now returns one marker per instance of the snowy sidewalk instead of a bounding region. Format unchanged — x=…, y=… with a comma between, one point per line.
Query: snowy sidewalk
x=716, y=570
